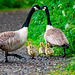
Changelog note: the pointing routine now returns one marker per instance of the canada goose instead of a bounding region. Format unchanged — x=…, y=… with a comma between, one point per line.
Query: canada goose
x=48, y=50
x=32, y=51
x=13, y=40
x=55, y=37
x=42, y=48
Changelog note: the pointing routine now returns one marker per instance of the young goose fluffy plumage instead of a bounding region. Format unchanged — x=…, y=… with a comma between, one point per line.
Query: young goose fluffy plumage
x=32, y=50
x=42, y=48
x=13, y=40
x=55, y=37
x=48, y=50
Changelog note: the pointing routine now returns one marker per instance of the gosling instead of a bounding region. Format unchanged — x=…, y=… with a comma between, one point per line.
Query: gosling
x=49, y=51
x=32, y=51
x=42, y=48
x=29, y=43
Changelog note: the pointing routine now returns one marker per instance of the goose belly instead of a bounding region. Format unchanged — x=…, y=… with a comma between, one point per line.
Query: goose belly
x=15, y=46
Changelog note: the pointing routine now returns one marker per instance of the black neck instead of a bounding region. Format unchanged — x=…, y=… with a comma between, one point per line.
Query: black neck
x=26, y=24
x=48, y=17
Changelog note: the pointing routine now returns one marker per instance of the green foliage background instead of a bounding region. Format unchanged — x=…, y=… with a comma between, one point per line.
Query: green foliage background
x=39, y=20
x=6, y=4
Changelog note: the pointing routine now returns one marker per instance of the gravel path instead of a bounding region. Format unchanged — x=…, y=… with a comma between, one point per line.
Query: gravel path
x=28, y=66
x=39, y=65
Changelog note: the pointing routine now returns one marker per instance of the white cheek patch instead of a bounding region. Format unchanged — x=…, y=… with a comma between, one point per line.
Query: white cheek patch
x=35, y=8
x=44, y=9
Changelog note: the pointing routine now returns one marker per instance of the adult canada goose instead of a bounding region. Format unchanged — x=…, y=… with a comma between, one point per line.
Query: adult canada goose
x=13, y=40
x=48, y=50
x=42, y=48
x=55, y=37
x=32, y=51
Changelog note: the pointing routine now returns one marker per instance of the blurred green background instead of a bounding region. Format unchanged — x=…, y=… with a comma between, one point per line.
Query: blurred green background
x=62, y=16
x=8, y=4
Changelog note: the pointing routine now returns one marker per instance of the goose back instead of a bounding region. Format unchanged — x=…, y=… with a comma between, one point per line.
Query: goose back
x=55, y=37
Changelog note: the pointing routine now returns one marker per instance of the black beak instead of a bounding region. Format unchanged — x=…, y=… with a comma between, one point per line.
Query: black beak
x=41, y=8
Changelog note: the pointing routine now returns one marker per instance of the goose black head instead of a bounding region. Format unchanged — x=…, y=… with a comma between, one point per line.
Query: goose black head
x=44, y=8
x=36, y=7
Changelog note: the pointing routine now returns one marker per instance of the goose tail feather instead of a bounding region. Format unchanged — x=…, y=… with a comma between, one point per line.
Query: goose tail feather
x=66, y=46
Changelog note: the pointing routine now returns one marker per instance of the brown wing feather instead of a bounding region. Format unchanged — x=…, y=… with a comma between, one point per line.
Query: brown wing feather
x=8, y=40
x=55, y=37
x=5, y=36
